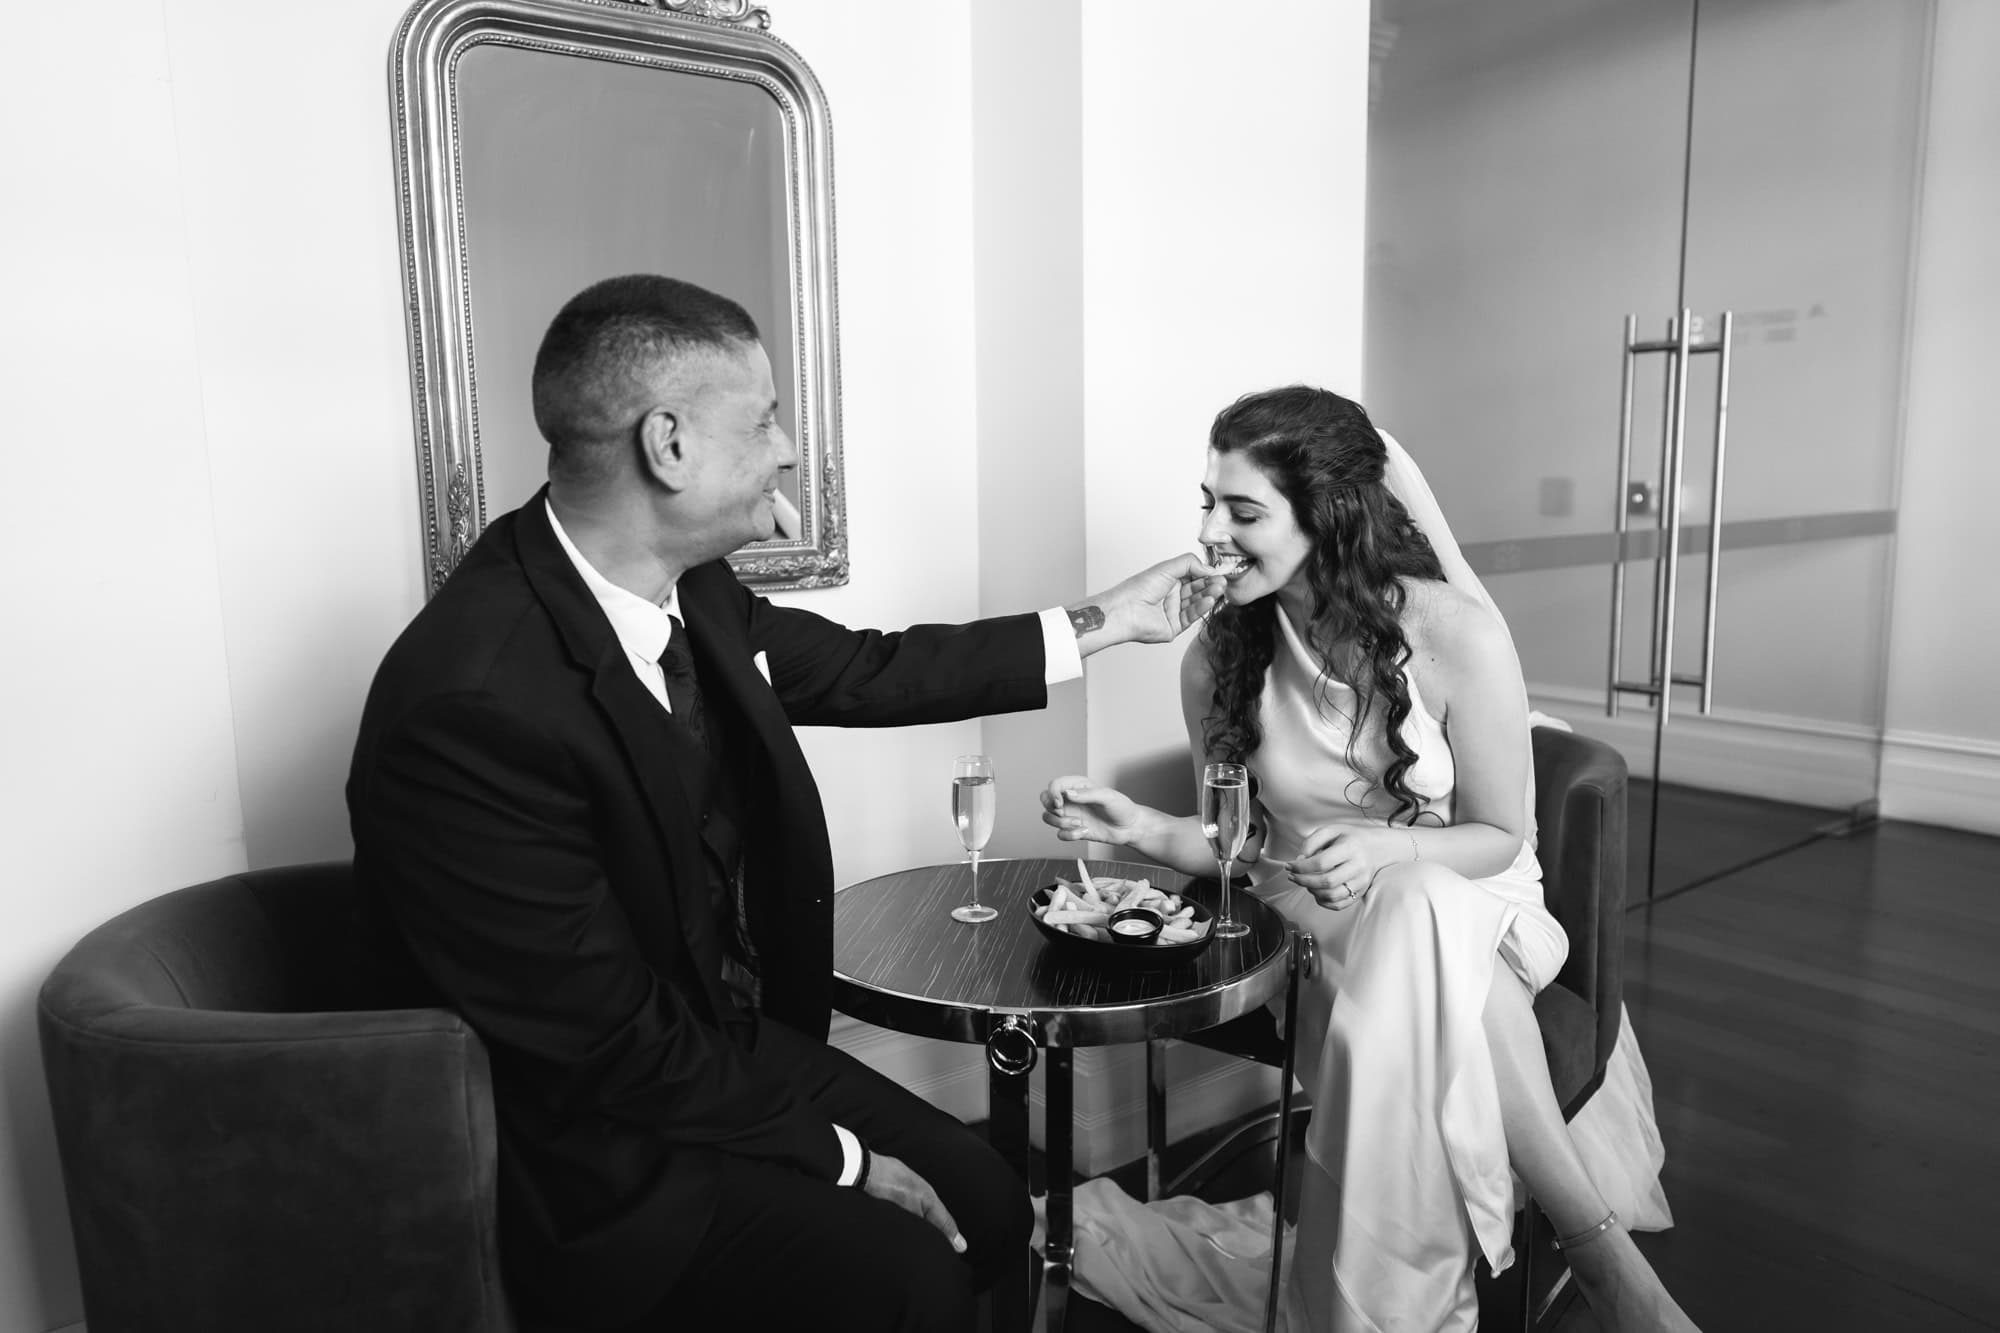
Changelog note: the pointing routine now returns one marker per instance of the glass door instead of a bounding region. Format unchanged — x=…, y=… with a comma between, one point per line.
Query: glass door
x=1804, y=150
x=1526, y=164
x=1542, y=173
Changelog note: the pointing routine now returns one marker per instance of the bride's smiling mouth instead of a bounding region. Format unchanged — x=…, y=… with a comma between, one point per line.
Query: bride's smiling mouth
x=1230, y=564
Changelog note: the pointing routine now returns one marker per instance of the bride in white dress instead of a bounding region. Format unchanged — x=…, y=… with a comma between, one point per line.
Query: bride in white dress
x=1359, y=669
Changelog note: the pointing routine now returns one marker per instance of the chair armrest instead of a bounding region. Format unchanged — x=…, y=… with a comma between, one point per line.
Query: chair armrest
x=304, y=1131
x=1581, y=817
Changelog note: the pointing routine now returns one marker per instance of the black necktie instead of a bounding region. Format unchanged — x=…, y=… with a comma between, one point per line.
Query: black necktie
x=683, y=688
x=684, y=698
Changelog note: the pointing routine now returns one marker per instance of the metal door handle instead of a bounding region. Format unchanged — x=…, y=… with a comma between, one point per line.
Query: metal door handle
x=1670, y=537
x=1618, y=523
x=1678, y=346
x=1715, y=512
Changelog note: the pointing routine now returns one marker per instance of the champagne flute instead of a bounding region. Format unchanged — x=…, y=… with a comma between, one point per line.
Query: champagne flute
x=1225, y=822
x=972, y=804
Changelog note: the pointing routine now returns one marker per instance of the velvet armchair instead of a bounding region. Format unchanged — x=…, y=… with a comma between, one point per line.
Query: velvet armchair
x=255, y=1134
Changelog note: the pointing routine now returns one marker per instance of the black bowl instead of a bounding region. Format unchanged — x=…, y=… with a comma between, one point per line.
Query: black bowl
x=1147, y=926
x=1112, y=954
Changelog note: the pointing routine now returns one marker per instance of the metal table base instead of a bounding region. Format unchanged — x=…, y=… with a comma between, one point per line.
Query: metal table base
x=900, y=962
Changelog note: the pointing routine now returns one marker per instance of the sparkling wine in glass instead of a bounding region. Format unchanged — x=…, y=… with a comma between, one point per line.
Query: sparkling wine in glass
x=972, y=803
x=1225, y=822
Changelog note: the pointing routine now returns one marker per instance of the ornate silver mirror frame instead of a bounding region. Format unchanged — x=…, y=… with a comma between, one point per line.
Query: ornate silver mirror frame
x=544, y=144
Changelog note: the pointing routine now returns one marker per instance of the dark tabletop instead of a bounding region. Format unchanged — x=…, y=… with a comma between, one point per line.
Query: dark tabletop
x=901, y=962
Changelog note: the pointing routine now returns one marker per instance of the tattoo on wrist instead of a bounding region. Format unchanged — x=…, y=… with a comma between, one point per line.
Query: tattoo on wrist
x=1083, y=619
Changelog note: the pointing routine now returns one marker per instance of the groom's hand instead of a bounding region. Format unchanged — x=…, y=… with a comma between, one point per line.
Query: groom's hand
x=1153, y=606
x=889, y=1178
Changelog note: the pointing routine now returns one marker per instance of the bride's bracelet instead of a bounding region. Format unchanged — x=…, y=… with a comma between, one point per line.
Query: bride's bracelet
x=1416, y=853
x=1588, y=1234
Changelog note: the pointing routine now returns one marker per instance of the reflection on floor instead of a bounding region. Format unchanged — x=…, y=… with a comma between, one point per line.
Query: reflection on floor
x=1708, y=833
x=1823, y=1030
x=1824, y=1035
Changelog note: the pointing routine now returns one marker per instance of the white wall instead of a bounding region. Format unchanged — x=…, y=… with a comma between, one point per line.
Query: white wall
x=1222, y=219
x=1223, y=167
x=1942, y=763
x=895, y=81
x=1027, y=95
x=118, y=773
x=281, y=128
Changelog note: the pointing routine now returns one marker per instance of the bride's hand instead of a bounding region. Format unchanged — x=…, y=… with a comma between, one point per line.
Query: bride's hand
x=1081, y=811
x=1339, y=862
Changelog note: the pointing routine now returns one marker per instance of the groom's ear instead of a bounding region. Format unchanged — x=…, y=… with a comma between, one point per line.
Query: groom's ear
x=664, y=454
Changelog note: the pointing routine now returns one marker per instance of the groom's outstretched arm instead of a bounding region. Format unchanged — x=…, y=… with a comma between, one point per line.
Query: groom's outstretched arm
x=1155, y=605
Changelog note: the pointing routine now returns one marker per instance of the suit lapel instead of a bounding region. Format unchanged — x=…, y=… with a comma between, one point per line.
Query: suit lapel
x=719, y=638
x=788, y=865
x=658, y=751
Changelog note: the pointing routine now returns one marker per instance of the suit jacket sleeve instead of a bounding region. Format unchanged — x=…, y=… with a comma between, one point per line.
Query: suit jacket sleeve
x=481, y=830
x=826, y=674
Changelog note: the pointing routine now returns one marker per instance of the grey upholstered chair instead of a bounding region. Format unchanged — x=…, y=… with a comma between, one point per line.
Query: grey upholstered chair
x=253, y=1136
x=1580, y=814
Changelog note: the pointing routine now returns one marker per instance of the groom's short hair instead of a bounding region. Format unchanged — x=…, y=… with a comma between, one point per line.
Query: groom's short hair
x=599, y=361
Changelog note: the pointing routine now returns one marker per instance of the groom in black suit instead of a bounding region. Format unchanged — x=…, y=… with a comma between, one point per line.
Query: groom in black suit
x=579, y=807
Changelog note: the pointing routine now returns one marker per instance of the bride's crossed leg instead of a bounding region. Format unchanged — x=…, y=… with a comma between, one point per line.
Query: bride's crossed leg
x=1620, y=1285
x=1420, y=1000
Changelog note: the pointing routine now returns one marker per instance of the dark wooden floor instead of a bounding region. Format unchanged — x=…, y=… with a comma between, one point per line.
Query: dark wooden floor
x=1704, y=834
x=1823, y=1031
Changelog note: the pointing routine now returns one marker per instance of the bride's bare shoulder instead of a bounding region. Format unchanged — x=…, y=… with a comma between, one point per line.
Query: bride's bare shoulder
x=1451, y=631
x=1197, y=670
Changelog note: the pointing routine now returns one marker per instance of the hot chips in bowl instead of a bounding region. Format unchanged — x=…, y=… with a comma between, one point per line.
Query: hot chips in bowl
x=1082, y=911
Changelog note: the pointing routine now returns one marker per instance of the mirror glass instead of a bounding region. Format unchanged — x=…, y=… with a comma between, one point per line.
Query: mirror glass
x=638, y=142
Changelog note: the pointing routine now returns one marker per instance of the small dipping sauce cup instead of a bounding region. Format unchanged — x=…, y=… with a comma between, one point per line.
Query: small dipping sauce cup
x=1135, y=925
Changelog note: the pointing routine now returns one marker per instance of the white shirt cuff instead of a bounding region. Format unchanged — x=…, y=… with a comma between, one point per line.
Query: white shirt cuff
x=1061, y=659
x=850, y=1155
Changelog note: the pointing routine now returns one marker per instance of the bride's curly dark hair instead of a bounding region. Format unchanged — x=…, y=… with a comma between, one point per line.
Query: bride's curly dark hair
x=1326, y=458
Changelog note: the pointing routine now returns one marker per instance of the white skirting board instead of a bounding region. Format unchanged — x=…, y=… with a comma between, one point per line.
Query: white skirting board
x=1204, y=1089
x=1945, y=780
x=1952, y=781
x=949, y=1075
x=1779, y=758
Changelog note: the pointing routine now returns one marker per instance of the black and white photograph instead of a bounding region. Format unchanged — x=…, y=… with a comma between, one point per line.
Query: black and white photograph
x=1001, y=666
